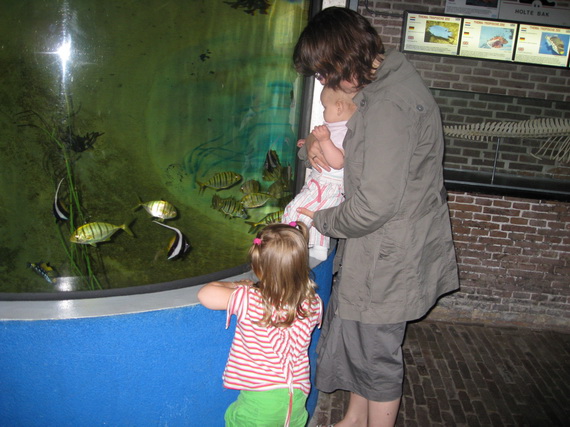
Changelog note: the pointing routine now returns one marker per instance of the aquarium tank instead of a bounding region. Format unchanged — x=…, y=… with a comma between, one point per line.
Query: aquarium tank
x=143, y=142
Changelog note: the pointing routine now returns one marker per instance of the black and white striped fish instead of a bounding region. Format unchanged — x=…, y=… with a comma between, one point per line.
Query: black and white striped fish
x=179, y=245
x=58, y=210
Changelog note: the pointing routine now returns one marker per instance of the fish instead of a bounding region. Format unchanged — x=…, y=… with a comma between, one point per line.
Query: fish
x=497, y=42
x=440, y=32
x=270, y=218
x=58, y=210
x=272, y=161
x=220, y=181
x=278, y=189
x=556, y=44
x=274, y=175
x=45, y=270
x=159, y=209
x=178, y=246
x=250, y=186
x=229, y=206
x=97, y=232
x=255, y=200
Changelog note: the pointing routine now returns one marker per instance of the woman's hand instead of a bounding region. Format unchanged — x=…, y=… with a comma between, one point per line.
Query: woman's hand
x=315, y=154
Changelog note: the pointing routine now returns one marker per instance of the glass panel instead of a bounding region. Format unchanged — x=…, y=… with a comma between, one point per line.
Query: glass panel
x=141, y=122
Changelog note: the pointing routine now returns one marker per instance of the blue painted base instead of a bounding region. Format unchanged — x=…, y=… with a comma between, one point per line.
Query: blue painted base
x=154, y=368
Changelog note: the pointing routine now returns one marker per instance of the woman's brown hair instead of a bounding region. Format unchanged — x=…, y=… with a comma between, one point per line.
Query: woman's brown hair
x=280, y=260
x=338, y=44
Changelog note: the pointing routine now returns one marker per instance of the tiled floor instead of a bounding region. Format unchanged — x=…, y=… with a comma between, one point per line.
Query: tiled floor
x=476, y=375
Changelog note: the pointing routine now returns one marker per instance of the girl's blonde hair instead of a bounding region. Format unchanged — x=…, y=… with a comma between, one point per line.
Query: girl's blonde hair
x=280, y=259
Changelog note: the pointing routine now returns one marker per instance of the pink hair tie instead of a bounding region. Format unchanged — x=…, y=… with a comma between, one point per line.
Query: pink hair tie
x=257, y=241
x=293, y=224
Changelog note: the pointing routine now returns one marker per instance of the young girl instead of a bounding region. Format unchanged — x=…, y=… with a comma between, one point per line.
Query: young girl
x=268, y=359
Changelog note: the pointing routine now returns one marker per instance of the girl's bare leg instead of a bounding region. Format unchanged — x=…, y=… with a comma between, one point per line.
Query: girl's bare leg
x=367, y=413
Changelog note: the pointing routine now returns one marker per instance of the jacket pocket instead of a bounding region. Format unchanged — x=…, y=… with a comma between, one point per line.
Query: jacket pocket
x=390, y=278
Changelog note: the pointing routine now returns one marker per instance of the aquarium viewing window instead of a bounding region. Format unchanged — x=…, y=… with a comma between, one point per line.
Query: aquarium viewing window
x=485, y=39
x=143, y=144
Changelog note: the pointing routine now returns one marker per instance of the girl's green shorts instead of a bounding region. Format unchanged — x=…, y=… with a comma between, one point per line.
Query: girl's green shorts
x=267, y=409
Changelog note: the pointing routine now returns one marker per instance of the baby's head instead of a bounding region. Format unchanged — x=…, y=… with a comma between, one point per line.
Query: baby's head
x=338, y=105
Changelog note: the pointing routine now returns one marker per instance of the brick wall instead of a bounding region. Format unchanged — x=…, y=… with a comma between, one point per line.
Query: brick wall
x=513, y=253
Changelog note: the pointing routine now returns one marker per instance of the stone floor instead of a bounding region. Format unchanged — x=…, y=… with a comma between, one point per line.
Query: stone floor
x=476, y=375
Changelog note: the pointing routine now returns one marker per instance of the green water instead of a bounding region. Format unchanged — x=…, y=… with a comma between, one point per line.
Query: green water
x=177, y=90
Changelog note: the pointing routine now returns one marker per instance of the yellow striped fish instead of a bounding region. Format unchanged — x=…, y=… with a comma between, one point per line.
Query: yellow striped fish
x=255, y=200
x=267, y=219
x=250, y=186
x=96, y=232
x=229, y=206
x=220, y=181
x=159, y=209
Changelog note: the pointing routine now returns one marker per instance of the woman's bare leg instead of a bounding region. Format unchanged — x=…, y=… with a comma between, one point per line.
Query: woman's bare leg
x=383, y=414
x=362, y=412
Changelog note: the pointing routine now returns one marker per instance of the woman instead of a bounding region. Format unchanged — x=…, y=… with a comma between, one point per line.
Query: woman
x=397, y=256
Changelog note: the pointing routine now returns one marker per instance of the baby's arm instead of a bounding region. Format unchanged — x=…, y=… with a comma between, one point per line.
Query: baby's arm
x=333, y=155
x=216, y=295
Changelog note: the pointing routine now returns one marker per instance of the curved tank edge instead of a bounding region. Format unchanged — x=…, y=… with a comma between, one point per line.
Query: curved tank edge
x=136, y=299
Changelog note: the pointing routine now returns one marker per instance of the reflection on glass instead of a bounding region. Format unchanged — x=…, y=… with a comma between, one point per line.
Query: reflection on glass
x=142, y=142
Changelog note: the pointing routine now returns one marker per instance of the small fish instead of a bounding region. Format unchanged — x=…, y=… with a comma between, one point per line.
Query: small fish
x=267, y=219
x=220, y=181
x=96, y=232
x=556, y=44
x=272, y=161
x=440, y=32
x=58, y=210
x=178, y=246
x=278, y=189
x=45, y=270
x=274, y=175
x=250, y=186
x=159, y=209
x=230, y=207
x=255, y=200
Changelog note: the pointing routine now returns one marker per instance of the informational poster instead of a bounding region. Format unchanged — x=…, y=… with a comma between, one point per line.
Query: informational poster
x=542, y=45
x=426, y=33
x=488, y=39
x=482, y=8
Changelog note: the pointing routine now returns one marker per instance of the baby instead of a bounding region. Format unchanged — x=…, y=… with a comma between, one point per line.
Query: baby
x=324, y=189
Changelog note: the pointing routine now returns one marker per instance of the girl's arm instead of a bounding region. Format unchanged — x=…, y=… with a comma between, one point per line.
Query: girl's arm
x=216, y=295
x=333, y=155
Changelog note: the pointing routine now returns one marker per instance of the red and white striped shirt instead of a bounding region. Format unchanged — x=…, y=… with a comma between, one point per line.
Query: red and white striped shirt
x=267, y=357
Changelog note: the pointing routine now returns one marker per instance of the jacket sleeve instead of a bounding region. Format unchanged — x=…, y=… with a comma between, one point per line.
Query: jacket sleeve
x=387, y=141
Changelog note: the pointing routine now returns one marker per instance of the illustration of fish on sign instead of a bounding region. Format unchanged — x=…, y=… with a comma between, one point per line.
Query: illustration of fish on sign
x=97, y=232
x=497, y=42
x=220, y=181
x=556, y=44
x=58, y=210
x=439, y=32
x=159, y=209
x=179, y=245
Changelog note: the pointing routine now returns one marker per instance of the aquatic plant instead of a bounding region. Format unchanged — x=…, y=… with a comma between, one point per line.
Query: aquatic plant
x=63, y=137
